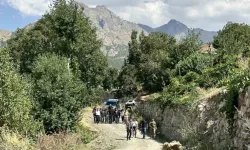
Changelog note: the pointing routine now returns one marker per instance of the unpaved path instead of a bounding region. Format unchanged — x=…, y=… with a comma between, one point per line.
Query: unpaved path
x=113, y=137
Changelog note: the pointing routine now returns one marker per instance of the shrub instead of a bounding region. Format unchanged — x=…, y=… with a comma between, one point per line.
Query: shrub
x=191, y=77
x=16, y=105
x=195, y=62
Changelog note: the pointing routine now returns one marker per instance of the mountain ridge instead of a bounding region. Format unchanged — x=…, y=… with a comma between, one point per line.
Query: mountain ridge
x=180, y=30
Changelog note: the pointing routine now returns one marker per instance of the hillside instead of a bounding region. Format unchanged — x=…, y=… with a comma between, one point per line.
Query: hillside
x=114, y=32
x=180, y=30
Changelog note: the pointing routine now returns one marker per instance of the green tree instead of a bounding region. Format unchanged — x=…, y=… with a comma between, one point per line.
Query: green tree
x=186, y=47
x=154, y=62
x=196, y=62
x=127, y=81
x=110, y=81
x=233, y=39
x=58, y=95
x=15, y=101
x=134, y=51
x=66, y=32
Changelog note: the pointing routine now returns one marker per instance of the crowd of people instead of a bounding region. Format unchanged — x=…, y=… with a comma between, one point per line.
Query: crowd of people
x=108, y=115
x=115, y=115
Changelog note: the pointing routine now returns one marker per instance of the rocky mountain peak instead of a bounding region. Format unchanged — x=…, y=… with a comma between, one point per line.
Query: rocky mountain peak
x=110, y=28
x=176, y=23
x=102, y=7
x=180, y=30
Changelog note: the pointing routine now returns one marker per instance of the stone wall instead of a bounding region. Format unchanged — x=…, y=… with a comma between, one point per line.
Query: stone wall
x=242, y=123
x=206, y=119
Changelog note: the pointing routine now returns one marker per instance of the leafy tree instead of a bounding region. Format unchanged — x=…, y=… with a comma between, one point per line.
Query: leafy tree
x=152, y=71
x=58, y=95
x=196, y=62
x=134, y=51
x=110, y=81
x=233, y=39
x=66, y=32
x=15, y=102
x=186, y=47
x=127, y=82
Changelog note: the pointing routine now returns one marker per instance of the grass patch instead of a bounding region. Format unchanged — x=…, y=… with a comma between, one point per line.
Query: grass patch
x=14, y=141
x=85, y=134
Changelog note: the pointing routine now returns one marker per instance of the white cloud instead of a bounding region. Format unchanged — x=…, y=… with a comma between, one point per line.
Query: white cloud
x=207, y=14
x=150, y=12
x=30, y=7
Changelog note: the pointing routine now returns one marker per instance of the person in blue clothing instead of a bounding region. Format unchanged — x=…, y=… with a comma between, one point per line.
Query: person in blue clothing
x=143, y=127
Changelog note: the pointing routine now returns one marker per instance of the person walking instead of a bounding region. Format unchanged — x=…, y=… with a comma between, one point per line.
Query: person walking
x=102, y=115
x=134, y=127
x=98, y=115
x=105, y=116
x=122, y=115
x=110, y=114
x=129, y=129
x=94, y=114
x=118, y=115
x=114, y=115
x=126, y=116
x=153, y=128
x=143, y=128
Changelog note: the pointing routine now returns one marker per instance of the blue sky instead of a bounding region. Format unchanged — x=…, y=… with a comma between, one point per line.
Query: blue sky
x=206, y=14
x=11, y=18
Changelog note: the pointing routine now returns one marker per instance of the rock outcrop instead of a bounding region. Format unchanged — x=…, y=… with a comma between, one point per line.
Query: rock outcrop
x=172, y=146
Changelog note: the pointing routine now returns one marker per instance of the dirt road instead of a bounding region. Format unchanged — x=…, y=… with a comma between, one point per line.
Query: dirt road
x=113, y=137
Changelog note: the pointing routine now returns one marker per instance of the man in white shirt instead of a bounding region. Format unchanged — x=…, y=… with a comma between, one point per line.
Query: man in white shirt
x=135, y=127
x=98, y=115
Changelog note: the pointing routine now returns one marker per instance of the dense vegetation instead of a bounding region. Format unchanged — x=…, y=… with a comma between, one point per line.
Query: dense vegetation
x=156, y=63
x=50, y=71
x=180, y=73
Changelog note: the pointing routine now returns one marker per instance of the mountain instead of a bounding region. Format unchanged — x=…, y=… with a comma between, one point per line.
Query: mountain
x=205, y=36
x=113, y=31
x=146, y=28
x=180, y=30
x=174, y=28
x=4, y=36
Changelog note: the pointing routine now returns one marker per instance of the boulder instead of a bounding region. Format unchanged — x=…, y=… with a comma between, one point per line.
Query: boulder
x=175, y=145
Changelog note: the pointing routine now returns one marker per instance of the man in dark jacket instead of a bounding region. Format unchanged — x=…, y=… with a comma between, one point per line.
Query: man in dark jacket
x=143, y=127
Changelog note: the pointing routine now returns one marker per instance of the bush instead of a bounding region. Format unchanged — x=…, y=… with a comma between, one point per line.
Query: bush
x=195, y=62
x=16, y=105
x=85, y=134
x=191, y=77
